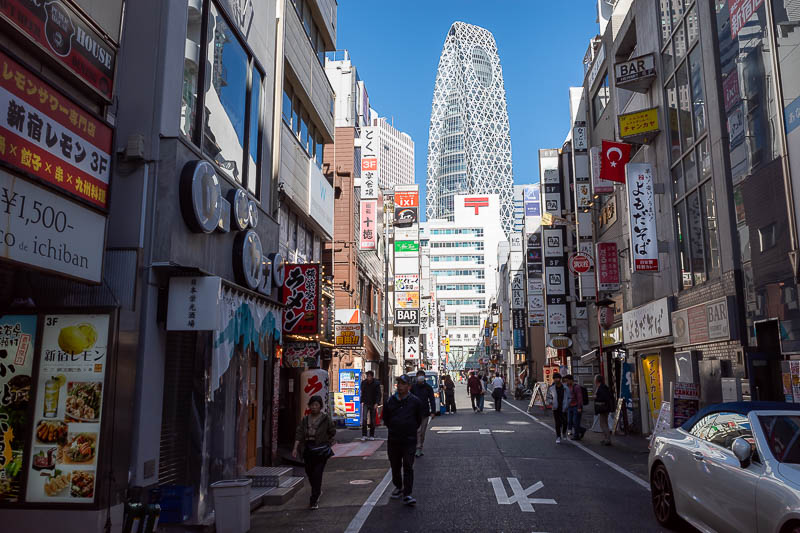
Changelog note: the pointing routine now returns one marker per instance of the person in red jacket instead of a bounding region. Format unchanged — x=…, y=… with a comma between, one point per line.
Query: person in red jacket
x=475, y=388
x=575, y=408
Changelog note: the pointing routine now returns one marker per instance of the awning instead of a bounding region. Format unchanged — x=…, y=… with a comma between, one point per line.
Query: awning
x=588, y=357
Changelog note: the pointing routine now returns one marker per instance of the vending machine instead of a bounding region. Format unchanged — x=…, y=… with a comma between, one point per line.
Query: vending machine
x=350, y=387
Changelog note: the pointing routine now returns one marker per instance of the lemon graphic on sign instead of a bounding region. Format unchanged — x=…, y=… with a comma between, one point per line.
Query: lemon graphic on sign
x=77, y=339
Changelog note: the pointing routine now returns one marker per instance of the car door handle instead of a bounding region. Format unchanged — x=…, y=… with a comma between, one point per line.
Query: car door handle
x=698, y=456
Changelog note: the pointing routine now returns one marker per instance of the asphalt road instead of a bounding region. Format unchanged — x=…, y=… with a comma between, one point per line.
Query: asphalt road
x=559, y=487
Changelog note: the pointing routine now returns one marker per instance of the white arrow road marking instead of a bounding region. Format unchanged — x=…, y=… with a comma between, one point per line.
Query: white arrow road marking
x=446, y=428
x=485, y=431
x=519, y=495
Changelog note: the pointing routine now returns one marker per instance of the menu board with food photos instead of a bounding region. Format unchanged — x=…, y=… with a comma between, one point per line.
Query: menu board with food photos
x=17, y=340
x=68, y=409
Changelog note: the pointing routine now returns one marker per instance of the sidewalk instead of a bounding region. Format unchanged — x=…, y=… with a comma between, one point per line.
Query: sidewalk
x=346, y=484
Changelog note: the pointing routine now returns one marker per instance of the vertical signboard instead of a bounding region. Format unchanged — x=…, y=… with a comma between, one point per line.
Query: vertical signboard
x=519, y=326
x=641, y=207
x=301, y=288
x=68, y=410
x=555, y=281
x=370, y=168
x=550, y=180
x=411, y=343
x=607, y=267
x=350, y=388
x=17, y=343
x=369, y=225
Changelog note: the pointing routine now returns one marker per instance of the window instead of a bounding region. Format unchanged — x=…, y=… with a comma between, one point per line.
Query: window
x=782, y=434
x=296, y=118
x=225, y=119
x=766, y=237
x=722, y=428
x=286, y=107
x=451, y=320
x=600, y=99
x=303, y=9
x=470, y=320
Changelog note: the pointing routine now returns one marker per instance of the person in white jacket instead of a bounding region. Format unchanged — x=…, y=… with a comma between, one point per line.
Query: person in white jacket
x=558, y=397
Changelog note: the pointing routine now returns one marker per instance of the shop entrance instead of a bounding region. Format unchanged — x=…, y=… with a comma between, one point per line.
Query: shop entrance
x=764, y=365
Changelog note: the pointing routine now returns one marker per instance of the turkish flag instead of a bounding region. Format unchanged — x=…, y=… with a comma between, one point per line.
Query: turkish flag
x=613, y=158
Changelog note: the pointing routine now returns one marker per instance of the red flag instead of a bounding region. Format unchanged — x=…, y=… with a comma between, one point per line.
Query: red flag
x=613, y=158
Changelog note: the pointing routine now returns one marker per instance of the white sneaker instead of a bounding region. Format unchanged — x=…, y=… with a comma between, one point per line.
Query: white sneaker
x=363, y=438
x=371, y=438
x=397, y=494
x=558, y=440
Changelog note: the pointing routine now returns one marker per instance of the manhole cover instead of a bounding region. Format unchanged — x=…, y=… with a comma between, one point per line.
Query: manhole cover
x=361, y=482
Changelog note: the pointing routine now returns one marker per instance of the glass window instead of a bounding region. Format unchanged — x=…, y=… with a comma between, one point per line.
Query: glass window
x=225, y=98
x=713, y=262
x=678, y=185
x=674, y=130
x=190, y=72
x=685, y=113
x=696, y=237
x=679, y=42
x=303, y=134
x=704, y=159
x=666, y=21
x=309, y=141
x=296, y=115
x=308, y=20
x=698, y=94
x=722, y=428
x=782, y=433
x=254, y=138
x=683, y=246
x=692, y=28
x=600, y=99
x=668, y=58
x=676, y=11
x=286, y=108
x=320, y=150
x=690, y=171
x=320, y=48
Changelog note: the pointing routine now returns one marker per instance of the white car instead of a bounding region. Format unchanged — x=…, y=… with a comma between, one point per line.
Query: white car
x=731, y=467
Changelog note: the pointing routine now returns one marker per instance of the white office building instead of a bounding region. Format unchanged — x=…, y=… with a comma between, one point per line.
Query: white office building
x=396, y=156
x=463, y=264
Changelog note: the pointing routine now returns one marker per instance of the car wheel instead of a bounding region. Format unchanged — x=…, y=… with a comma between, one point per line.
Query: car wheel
x=663, y=497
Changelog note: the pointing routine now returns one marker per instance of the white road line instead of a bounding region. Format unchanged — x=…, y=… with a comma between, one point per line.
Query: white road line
x=594, y=454
x=358, y=520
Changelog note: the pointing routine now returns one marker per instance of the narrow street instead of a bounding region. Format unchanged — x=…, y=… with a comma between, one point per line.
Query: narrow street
x=580, y=488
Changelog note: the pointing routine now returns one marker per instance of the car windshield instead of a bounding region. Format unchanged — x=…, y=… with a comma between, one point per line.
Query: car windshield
x=430, y=379
x=783, y=436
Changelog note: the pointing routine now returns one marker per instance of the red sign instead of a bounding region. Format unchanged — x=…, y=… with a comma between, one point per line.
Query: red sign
x=406, y=198
x=741, y=12
x=482, y=201
x=58, y=29
x=613, y=158
x=579, y=263
x=46, y=135
x=370, y=163
x=607, y=266
x=301, y=299
x=369, y=225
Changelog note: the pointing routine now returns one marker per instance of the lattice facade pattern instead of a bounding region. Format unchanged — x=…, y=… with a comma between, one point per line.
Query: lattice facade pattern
x=469, y=146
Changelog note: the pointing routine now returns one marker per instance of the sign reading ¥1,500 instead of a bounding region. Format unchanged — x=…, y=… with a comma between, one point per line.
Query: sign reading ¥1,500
x=44, y=230
x=45, y=134
x=61, y=32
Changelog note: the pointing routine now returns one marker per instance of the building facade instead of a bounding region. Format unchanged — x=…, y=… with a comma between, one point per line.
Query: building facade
x=469, y=147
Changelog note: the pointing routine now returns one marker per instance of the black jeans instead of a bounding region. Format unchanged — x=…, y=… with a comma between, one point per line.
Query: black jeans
x=560, y=418
x=401, y=457
x=368, y=413
x=450, y=401
x=315, y=466
x=476, y=401
x=497, y=396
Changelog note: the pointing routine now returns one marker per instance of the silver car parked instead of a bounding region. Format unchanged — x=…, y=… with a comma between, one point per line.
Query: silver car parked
x=731, y=467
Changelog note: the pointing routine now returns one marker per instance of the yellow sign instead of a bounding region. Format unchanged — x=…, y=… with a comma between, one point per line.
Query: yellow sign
x=406, y=300
x=447, y=344
x=638, y=123
x=651, y=367
x=547, y=219
x=348, y=334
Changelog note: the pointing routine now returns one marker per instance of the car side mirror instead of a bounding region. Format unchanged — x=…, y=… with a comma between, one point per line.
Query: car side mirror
x=742, y=450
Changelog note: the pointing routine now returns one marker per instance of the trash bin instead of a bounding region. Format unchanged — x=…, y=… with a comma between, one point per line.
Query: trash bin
x=232, y=505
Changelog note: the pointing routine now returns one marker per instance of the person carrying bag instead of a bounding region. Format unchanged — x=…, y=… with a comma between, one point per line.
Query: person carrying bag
x=313, y=440
x=603, y=403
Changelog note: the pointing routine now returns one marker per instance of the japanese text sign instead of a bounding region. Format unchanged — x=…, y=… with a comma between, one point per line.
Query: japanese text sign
x=642, y=210
x=301, y=289
x=370, y=167
x=411, y=344
x=45, y=134
x=61, y=32
x=349, y=334
x=607, y=266
x=638, y=123
x=741, y=12
x=403, y=198
x=194, y=303
x=369, y=225
x=406, y=282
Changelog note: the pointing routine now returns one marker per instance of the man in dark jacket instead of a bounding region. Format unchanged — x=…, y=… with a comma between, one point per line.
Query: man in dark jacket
x=370, y=399
x=424, y=392
x=402, y=415
x=475, y=388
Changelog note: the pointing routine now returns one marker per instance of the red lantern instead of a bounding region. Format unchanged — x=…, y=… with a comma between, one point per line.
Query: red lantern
x=605, y=316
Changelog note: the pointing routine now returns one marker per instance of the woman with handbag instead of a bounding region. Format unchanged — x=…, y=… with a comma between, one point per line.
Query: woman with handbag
x=603, y=402
x=313, y=441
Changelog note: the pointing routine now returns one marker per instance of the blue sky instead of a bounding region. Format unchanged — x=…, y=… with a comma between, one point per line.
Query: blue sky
x=396, y=45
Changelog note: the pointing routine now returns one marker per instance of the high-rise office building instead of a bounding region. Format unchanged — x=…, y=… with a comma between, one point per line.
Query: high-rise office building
x=469, y=147
x=396, y=153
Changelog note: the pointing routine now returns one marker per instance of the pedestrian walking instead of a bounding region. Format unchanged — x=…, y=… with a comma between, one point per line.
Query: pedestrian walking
x=603, y=403
x=313, y=440
x=402, y=415
x=424, y=392
x=558, y=396
x=475, y=388
x=482, y=396
x=450, y=394
x=575, y=408
x=497, y=391
x=370, y=400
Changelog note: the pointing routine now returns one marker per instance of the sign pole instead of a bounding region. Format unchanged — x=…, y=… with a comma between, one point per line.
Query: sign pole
x=385, y=373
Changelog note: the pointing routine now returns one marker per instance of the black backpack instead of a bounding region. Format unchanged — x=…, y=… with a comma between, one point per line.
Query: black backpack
x=585, y=394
